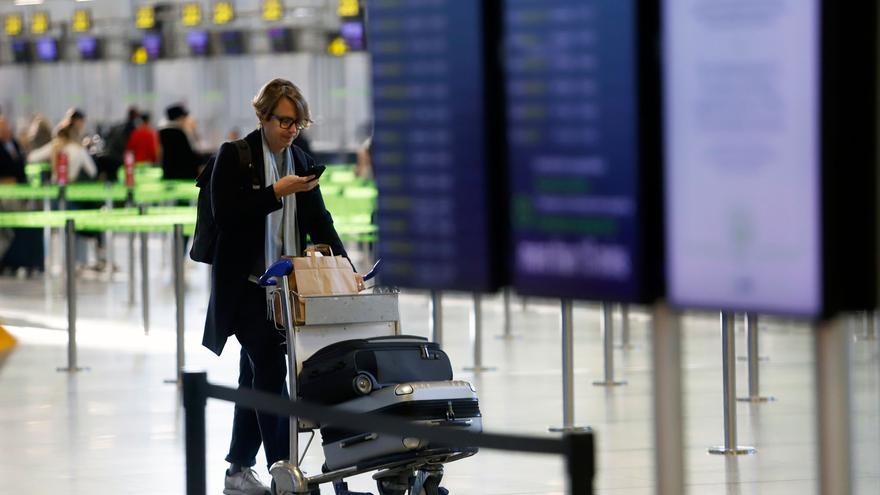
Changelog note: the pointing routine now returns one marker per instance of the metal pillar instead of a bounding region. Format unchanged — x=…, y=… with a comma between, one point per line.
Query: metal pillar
x=47, y=242
x=131, y=269
x=668, y=402
x=70, y=275
x=179, y=300
x=108, y=239
x=728, y=342
x=508, y=323
x=436, y=323
x=871, y=330
x=567, y=321
x=624, y=328
x=476, y=330
x=145, y=281
x=870, y=327
x=608, y=337
x=832, y=353
x=754, y=385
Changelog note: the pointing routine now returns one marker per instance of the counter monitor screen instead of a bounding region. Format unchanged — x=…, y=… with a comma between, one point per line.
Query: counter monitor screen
x=47, y=49
x=198, y=42
x=232, y=42
x=280, y=39
x=152, y=43
x=21, y=51
x=353, y=34
x=89, y=47
x=572, y=131
x=742, y=156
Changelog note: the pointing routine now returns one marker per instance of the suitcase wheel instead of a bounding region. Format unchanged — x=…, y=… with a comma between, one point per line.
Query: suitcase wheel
x=362, y=384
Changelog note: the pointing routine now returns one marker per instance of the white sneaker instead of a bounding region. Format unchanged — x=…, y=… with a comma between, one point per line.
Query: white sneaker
x=245, y=482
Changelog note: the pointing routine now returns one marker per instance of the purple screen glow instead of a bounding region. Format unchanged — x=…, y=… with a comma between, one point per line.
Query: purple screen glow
x=47, y=49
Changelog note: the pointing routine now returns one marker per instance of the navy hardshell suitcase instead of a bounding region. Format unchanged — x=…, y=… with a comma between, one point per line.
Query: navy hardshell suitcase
x=353, y=368
x=444, y=404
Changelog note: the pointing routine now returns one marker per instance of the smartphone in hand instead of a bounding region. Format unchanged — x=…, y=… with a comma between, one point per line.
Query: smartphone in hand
x=317, y=170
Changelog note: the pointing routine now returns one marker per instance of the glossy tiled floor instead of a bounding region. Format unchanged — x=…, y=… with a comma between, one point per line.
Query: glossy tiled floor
x=117, y=428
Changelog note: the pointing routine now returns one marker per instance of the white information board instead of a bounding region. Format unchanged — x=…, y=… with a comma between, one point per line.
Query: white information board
x=742, y=154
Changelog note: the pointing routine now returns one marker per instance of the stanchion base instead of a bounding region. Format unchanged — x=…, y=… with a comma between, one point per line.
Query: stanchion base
x=746, y=358
x=72, y=370
x=479, y=369
x=605, y=383
x=756, y=399
x=570, y=429
x=735, y=451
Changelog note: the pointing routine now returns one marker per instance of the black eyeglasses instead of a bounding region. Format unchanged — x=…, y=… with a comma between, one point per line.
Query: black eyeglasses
x=287, y=122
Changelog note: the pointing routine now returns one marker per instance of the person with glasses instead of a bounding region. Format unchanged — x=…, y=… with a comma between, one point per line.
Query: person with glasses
x=262, y=211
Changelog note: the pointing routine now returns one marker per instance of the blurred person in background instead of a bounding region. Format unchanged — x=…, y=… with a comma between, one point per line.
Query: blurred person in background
x=117, y=136
x=21, y=250
x=39, y=132
x=68, y=140
x=112, y=154
x=179, y=158
x=364, y=167
x=11, y=156
x=144, y=142
x=80, y=167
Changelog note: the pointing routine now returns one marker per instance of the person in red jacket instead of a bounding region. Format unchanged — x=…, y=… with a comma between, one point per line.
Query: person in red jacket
x=144, y=142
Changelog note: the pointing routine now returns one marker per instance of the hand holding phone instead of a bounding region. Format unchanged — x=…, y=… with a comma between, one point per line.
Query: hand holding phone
x=316, y=171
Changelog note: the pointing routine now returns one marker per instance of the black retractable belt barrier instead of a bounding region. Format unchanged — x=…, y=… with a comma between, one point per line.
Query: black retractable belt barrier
x=578, y=448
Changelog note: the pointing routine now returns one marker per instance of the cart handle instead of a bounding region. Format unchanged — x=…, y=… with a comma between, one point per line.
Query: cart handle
x=374, y=271
x=280, y=268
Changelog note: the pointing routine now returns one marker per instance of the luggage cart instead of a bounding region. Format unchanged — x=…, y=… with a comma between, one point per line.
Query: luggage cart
x=329, y=319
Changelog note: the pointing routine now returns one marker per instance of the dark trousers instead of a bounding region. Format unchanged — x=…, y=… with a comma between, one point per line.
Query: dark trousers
x=262, y=366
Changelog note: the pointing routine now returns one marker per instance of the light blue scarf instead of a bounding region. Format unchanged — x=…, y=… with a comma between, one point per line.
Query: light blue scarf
x=281, y=232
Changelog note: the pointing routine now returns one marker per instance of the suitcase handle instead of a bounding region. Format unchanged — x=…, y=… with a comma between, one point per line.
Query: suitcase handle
x=454, y=422
x=366, y=437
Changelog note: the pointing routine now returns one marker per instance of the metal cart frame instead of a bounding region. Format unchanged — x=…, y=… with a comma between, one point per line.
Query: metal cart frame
x=329, y=319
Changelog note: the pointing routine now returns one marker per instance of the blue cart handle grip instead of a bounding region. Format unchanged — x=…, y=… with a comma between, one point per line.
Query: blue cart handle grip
x=280, y=268
x=374, y=271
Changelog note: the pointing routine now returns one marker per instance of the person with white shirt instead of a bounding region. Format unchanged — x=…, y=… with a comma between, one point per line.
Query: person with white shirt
x=67, y=140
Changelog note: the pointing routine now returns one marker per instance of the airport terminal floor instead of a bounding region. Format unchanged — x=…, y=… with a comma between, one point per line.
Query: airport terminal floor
x=118, y=428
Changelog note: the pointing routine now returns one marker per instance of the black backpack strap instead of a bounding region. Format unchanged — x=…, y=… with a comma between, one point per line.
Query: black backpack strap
x=244, y=159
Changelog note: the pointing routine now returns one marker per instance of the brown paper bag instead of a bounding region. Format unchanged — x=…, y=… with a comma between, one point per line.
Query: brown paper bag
x=315, y=275
x=322, y=275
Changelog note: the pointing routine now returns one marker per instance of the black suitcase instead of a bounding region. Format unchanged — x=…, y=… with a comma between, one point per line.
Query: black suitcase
x=353, y=368
x=444, y=404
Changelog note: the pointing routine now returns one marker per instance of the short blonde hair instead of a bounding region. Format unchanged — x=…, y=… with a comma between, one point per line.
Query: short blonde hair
x=271, y=93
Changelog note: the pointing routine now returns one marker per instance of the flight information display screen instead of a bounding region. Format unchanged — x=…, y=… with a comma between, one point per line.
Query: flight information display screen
x=572, y=131
x=430, y=147
x=743, y=202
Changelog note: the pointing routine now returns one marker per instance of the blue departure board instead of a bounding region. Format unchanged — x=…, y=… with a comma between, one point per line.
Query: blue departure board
x=430, y=149
x=573, y=148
